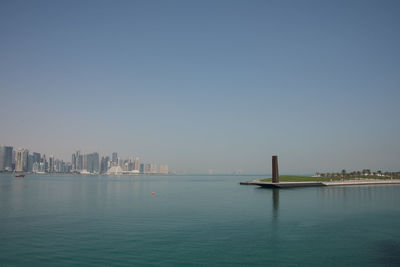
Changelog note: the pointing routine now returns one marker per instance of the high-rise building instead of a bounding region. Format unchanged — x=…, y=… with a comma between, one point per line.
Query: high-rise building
x=136, y=164
x=147, y=168
x=77, y=163
x=73, y=161
x=120, y=162
x=21, y=162
x=26, y=160
x=104, y=164
x=114, y=158
x=36, y=157
x=95, y=162
x=6, y=153
x=36, y=167
x=91, y=162
x=141, y=169
x=80, y=162
x=14, y=156
x=85, y=162
x=30, y=163
x=51, y=164
x=2, y=158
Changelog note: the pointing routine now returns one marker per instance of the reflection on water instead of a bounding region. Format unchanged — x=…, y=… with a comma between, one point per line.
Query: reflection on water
x=275, y=202
x=360, y=197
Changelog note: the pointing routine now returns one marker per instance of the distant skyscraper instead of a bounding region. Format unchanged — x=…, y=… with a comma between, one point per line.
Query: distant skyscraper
x=120, y=162
x=136, y=164
x=51, y=164
x=141, y=169
x=73, y=161
x=2, y=158
x=107, y=165
x=147, y=168
x=85, y=162
x=6, y=153
x=44, y=164
x=91, y=162
x=26, y=160
x=30, y=163
x=103, y=165
x=114, y=158
x=21, y=164
x=36, y=167
x=80, y=162
x=14, y=156
x=36, y=157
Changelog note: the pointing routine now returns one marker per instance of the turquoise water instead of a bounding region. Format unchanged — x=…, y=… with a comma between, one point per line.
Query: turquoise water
x=63, y=220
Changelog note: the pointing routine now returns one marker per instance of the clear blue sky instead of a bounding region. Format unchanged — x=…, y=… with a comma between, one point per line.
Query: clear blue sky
x=205, y=85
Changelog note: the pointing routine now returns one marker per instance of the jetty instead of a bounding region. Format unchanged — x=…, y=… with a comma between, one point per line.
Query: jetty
x=275, y=183
x=317, y=183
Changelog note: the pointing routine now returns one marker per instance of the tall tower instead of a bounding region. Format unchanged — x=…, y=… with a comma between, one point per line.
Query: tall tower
x=73, y=161
x=6, y=158
x=275, y=173
x=114, y=158
x=19, y=163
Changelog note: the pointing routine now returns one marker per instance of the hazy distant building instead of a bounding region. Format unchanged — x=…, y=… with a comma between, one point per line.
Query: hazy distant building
x=51, y=164
x=96, y=161
x=44, y=164
x=136, y=164
x=21, y=162
x=114, y=158
x=153, y=168
x=164, y=169
x=30, y=163
x=120, y=162
x=79, y=162
x=91, y=163
x=6, y=160
x=141, y=168
x=14, y=156
x=104, y=164
x=36, y=157
x=73, y=161
x=36, y=167
x=147, y=168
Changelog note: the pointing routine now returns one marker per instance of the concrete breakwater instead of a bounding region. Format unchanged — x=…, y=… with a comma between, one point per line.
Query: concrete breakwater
x=318, y=183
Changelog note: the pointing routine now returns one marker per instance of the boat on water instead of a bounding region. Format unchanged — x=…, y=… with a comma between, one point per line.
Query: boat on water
x=20, y=175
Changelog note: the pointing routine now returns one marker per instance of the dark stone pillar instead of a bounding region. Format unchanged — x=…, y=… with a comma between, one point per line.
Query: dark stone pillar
x=275, y=173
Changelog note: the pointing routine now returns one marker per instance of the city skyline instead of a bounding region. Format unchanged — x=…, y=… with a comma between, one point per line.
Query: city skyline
x=205, y=85
x=23, y=160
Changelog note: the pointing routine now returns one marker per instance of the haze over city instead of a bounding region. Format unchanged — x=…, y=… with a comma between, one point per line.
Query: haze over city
x=218, y=85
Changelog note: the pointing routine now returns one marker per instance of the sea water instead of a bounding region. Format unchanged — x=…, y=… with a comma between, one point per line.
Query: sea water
x=64, y=220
